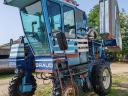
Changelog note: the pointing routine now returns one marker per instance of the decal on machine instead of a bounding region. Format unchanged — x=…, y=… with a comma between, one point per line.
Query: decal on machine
x=44, y=65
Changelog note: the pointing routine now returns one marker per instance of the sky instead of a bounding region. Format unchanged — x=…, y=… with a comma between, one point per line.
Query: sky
x=10, y=22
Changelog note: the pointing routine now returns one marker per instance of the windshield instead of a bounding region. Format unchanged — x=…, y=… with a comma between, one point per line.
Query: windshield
x=34, y=28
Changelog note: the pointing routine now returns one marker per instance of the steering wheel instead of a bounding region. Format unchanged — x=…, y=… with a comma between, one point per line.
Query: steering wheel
x=33, y=34
x=82, y=29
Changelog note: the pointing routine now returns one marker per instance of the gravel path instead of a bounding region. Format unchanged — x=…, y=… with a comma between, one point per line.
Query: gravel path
x=119, y=68
x=4, y=87
x=4, y=63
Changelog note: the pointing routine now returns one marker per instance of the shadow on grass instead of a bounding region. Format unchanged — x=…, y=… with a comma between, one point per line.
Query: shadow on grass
x=7, y=76
x=118, y=91
x=43, y=90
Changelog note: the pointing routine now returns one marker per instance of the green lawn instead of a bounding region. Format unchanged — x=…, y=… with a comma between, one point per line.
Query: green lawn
x=118, y=89
x=120, y=85
x=3, y=77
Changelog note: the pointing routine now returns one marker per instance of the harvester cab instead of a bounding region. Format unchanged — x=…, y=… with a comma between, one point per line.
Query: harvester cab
x=57, y=42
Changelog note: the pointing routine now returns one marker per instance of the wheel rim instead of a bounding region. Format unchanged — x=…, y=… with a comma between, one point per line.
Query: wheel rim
x=70, y=91
x=106, y=78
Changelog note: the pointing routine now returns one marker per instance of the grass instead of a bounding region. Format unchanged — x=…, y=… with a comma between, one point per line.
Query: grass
x=44, y=91
x=120, y=78
x=118, y=87
x=3, y=77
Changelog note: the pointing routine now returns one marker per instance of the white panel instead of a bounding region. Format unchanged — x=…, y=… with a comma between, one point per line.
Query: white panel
x=17, y=49
x=101, y=17
x=107, y=16
x=71, y=51
x=104, y=17
x=83, y=50
x=82, y=40
x=82, y=45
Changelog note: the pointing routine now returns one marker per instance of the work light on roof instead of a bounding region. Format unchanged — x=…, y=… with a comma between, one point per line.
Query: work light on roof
x=74, y=2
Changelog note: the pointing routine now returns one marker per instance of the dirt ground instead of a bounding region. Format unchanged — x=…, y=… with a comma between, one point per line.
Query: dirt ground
x=117, y=69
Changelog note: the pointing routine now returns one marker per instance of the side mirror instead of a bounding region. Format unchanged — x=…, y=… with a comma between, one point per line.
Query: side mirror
x=82, y=29
x=11, y=42
x=21, y=39
x=62, y=42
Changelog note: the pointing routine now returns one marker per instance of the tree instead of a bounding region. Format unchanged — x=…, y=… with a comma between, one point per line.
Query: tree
x=93, y=17
x=123, y=21
x=124, y=31
x=93, y=21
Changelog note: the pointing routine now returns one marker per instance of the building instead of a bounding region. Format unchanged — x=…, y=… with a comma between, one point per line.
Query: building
x=4, y=51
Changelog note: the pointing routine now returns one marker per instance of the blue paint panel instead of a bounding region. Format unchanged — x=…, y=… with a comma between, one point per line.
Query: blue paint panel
x=16, y=62
x=46, y=19
x=44, y=63
x=71, y=42
x=69, y=48
x=110, y=42
x=73, y=61
x=42, y=57
x=83, y=57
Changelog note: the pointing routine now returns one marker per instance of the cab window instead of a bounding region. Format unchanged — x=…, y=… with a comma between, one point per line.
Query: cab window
x=35, y=29
x=69, y=22
x=80, y=22
x=54, y=11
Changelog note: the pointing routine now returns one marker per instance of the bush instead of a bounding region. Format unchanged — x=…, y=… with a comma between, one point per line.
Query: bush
x=6, y=71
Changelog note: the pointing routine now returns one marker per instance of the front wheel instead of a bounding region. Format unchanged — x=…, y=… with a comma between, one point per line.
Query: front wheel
x=102, y=79
x=14, y=86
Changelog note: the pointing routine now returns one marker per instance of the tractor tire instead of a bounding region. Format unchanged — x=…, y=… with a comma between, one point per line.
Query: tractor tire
x=56, y=91
x=101, y=79
x=71, y=91
x=14, y=86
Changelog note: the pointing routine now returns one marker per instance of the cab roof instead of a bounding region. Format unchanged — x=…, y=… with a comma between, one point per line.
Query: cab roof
x=19, y=3
x=22, y=3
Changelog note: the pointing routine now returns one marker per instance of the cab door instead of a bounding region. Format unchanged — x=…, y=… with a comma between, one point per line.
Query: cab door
x=70, y=33
x=82, y=39
x=55, y=19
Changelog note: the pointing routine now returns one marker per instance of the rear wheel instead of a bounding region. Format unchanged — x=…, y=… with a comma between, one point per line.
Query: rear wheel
x=102, y=79
x=15, y=84
x=56, y=91
x=71, y=91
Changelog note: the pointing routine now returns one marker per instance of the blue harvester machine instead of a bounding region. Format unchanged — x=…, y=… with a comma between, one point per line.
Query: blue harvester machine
x=58, y=42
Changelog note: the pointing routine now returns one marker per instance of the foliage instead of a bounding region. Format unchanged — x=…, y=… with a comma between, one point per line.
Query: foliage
x=5, y=71
x=93, y=17
x=44, y=91
x=93, y=21
x=6, y=76
x=123, y=21
x=124, y=31
x=119, y=85
x=118, y=88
